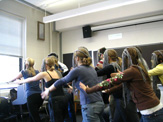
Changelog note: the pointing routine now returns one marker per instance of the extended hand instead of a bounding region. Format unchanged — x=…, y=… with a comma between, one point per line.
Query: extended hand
x=70, y=89
x=18, y=82
x=9, y=82
x=82, y=86
x=45, y=94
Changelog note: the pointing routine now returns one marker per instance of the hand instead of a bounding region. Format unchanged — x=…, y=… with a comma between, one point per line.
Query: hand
x=118, y=71
x=18, y=82
x=69, y=90
x=9, y=82
x=107, y=90
x=45, y=94
x=113, y=74
x=100, y=66
x=71, y=68
x=70, y=86
x=82, y=86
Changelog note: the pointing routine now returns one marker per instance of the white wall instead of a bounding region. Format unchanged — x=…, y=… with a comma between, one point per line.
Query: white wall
x=35, y=49
x=71, y=39
x=133, y=35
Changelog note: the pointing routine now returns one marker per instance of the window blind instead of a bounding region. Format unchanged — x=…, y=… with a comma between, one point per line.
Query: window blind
x=11, y=34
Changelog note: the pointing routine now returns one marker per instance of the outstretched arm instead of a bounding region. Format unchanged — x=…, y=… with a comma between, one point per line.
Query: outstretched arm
x=31, y=79
x=113, y=89
x=90, y=90
x=17, y=77
x=101, y=86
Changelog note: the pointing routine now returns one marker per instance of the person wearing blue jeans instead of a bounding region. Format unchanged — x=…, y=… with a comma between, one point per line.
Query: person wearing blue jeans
x=71, y=110
x=90, y=112
x=91, y=104
x=154, y=117
x=137, y=82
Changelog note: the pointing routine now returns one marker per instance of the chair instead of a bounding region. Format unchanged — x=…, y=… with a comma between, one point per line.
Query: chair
x=6, y=114
x=21, y=99
x=21, y=96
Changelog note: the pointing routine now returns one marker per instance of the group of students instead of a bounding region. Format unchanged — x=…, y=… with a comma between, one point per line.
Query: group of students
x=50, y=72
x=128, y=80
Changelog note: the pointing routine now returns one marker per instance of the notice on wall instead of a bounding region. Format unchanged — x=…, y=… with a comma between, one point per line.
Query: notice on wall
x=115, y=36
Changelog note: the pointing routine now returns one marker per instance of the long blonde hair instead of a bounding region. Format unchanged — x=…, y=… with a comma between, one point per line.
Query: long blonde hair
x=51, y=61
x=30, y=63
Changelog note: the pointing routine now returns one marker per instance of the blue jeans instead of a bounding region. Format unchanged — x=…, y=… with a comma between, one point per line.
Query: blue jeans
x=71, y=110
x=154, y=117
x=93, y=112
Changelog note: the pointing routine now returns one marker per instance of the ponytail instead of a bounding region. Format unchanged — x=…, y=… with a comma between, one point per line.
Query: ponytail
x=87, y=61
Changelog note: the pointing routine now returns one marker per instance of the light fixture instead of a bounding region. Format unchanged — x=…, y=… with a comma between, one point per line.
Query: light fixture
x=89, y=9
x=127, y=23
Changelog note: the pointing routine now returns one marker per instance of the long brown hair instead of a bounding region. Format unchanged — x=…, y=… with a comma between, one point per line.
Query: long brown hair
x=113, y=54
x=134, y=54
x=159, y=54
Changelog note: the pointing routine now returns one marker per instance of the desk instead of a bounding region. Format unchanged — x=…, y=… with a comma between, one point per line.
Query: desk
x=8, y=86
x=21, y=95
x=5, y=89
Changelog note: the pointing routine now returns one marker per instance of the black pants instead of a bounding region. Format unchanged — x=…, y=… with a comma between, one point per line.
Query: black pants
x=58, y=108
x=128, y=114
x=34, y=102
x=131, y=111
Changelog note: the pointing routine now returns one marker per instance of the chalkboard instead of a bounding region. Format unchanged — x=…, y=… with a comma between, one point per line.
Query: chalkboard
x=146, y=52
x=67, y=59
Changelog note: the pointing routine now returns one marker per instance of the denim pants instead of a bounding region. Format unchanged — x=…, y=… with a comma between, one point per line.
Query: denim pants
x=71, y=110
x=93, y=112
x=154, y=117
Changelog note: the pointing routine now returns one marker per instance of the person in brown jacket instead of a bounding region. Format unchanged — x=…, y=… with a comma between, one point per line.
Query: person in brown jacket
x=135, y=82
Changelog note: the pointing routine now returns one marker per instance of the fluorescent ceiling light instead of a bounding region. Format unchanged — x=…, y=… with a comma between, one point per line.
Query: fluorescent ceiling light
x=89, y=9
